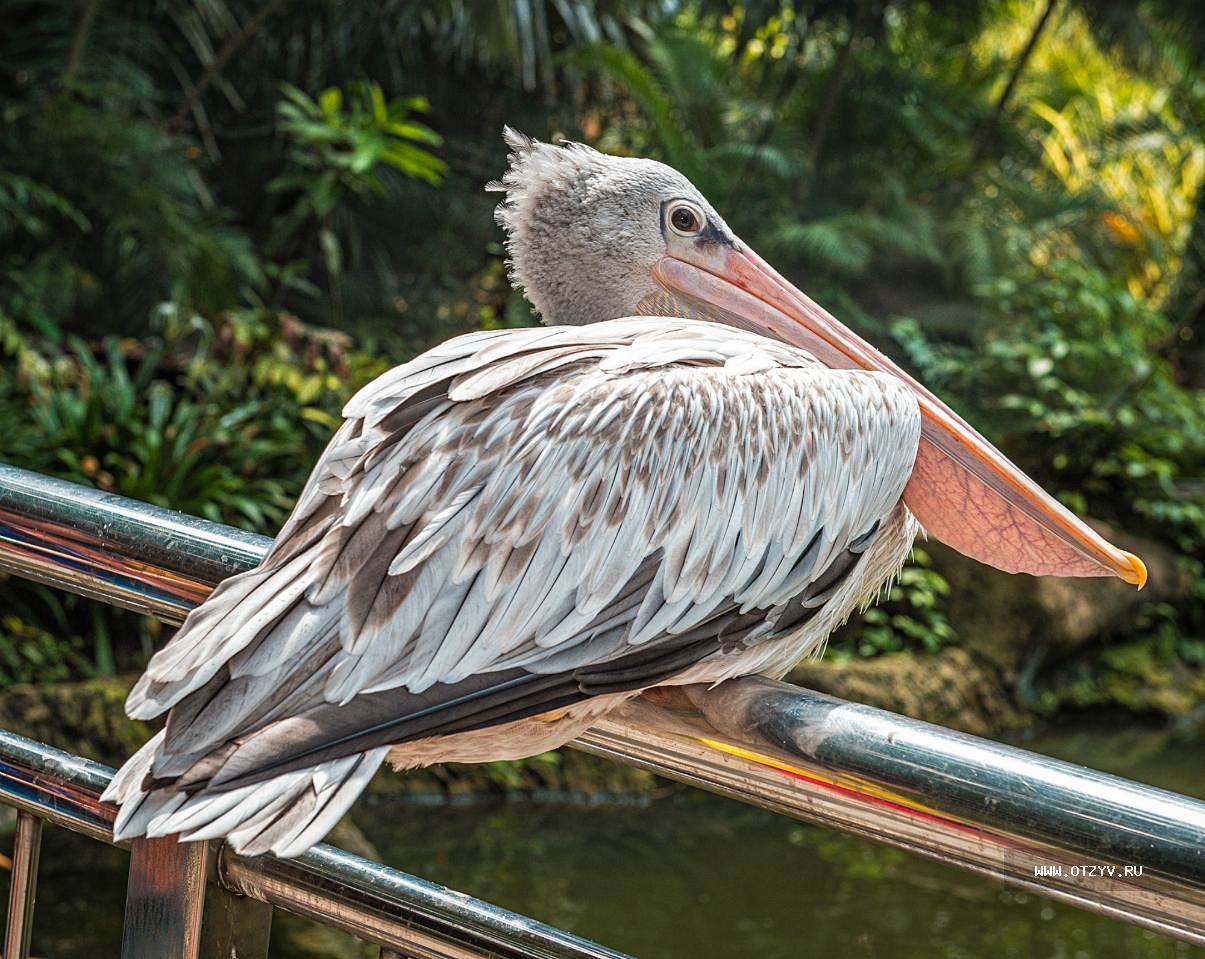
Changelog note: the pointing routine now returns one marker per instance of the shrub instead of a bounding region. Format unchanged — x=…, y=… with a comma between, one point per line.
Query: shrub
x=221, y=419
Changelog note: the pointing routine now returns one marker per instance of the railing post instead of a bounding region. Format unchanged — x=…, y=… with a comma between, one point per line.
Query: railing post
x=234, y=927
x=165, y=899
x=27, y=847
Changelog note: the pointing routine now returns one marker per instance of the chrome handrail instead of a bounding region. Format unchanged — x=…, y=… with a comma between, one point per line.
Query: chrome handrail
x=1097, y=841
x=341, y=890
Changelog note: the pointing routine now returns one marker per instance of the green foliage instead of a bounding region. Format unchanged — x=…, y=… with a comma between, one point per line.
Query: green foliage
x=520, y=37
x=275, y=357
x=343, y=147
x=1070, y=381
x=908, y=616
x=1158, y=672
x=678, y=146
x=740, y=130
x=29, y=210
x=221, y=419
x=102, y=216
x=47, y=635
x=697, y=113
x=29, y=653
x=513, y=776
x=341, y=143
x=116, y=421
x=27, y=207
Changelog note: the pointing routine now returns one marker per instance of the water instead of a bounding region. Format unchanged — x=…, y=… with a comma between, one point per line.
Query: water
x=704, y=878
x=689, y=875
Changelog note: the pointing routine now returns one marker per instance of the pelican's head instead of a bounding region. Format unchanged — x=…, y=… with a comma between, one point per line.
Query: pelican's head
x=586, y=231
x=594, y=237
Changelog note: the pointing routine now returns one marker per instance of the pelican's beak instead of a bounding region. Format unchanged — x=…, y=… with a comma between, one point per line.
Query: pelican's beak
x=964, y=491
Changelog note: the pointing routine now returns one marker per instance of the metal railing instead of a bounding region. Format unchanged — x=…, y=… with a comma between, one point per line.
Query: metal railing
x=172, y=885
x=1097, y=841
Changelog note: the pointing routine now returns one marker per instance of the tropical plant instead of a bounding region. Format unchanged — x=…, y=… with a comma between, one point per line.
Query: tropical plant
x=341, y=142
x=521, y=37
x=341, y=146
x=116, y=421
x=132, y=222
x=220, y=419
x=908, y=616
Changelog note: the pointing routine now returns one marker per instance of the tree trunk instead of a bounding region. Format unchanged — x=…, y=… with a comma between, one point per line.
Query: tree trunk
x=832, y=93
x=1187, y=307
x=986, y=134
x=79, y=40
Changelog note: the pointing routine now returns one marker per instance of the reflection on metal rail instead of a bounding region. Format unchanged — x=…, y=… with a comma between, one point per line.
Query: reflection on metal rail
x=1097, y=841
x=168, y=885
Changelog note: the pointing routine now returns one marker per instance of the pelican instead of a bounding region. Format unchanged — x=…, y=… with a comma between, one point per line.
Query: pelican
x=692, y=472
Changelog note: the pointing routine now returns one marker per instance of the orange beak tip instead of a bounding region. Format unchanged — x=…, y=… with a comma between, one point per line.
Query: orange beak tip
x=1137, y=571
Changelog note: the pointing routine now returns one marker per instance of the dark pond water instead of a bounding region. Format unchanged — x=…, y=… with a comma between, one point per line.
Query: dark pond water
x=688, y=876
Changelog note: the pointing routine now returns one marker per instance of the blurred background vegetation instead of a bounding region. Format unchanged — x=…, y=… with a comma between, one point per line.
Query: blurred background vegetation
x=219, y=218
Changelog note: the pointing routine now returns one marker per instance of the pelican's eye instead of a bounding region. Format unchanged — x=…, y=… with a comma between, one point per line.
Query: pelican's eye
x=685, y=219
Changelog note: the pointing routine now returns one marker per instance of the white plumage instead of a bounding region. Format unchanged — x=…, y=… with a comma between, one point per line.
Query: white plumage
x=519, y=529
x=534, y=473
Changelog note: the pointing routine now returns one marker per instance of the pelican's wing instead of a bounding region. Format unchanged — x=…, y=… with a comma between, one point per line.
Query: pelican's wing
x=519, y=520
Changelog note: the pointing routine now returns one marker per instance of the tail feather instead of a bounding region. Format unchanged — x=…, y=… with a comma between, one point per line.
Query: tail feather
x=333, y=802
x=138, y=807
x=283, y=816
x=210, y=817
x=127, y=783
